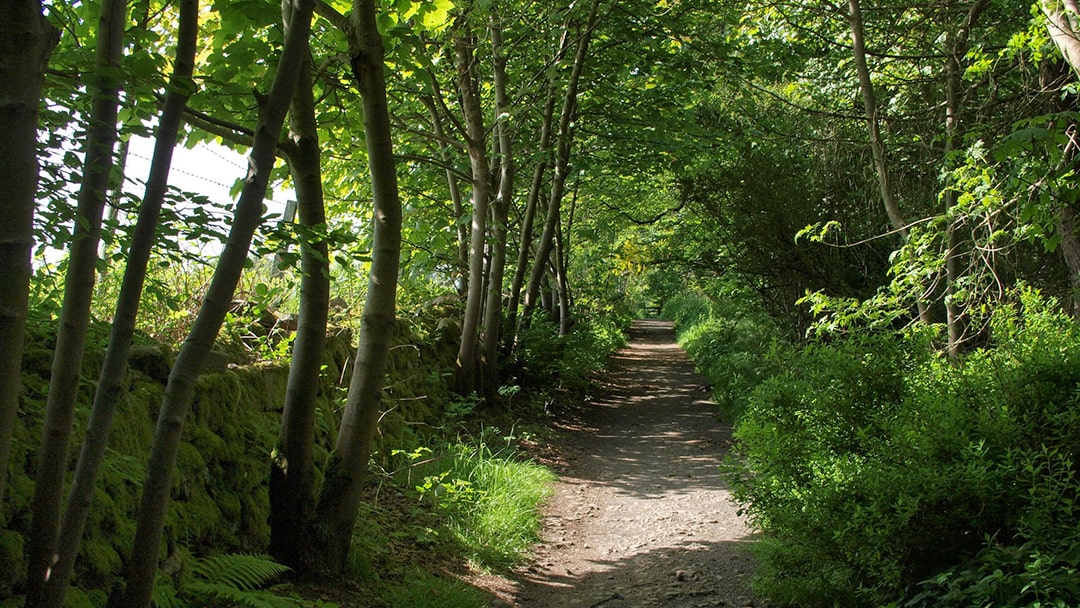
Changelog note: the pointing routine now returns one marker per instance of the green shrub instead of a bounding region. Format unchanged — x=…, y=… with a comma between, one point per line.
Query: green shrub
x=686, y=309
x=547, y=360
x=878, y=470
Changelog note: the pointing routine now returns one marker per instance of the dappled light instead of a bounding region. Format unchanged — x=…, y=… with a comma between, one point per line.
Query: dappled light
x=641, y=515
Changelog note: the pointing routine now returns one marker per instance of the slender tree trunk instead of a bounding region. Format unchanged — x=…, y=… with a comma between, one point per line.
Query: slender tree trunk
x=535, y=187
x=26, y=41
x=562, y=286
x=339, y=500
x=493, y=312
x=111, y=388
x=292, y=469
x=866, y=87
x=469, y=90
x=562, y=258
x=957, y=49
x=562, y=163
x=877, y=148
x=142, y=565
x=112, y=207
x=78, y=290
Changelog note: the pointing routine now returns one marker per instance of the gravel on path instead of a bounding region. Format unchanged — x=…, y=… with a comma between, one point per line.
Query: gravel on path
x=640, y=517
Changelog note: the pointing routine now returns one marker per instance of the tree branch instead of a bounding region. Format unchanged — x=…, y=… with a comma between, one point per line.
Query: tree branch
x=335, y=18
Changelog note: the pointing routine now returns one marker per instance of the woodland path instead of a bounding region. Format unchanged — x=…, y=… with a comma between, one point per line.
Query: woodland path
x=640, y=517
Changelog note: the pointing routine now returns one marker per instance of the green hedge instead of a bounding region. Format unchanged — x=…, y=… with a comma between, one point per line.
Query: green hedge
x=881, y=474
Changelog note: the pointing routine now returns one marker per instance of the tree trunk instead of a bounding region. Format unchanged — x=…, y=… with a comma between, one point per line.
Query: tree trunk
x=562, y=258
x=111, y=387
x=957, y=49
x=292, y=468
x=78, y=291
x=469, y=90
x=877, y=148
x=562, y=164
x=535, y=187
x=562, y=286
x=26, y=41
x=142, y=565
x=493, y=313
x=1061, y=23
x=340, y=497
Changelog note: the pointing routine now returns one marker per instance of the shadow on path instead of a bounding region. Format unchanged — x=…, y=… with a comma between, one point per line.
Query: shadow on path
x=641, y=517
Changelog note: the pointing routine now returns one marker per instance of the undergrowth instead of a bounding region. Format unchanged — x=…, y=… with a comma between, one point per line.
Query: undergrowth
x=487, y=497
x=882, y=474
x=730, y=339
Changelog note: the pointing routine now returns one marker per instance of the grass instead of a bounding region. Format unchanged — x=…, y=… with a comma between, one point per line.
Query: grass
x=461, y=507
x=423, y=589
x=486, y=497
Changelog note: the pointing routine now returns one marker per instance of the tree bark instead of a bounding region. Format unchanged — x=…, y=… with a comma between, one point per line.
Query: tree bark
x=957, y=49
x=525, y=247
x=340, y=497
x=292, y=469
x=469, y=90
x=562, y=165
x=111, y=388
x=562, y=286
x=142, y=564
x=78, y=291
x=26, y=41
x=1062, y=16
x=877, y=147
x=493, y=312
x=866, y=88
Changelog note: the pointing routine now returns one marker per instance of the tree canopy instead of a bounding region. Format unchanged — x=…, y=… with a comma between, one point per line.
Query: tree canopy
x=494, y=167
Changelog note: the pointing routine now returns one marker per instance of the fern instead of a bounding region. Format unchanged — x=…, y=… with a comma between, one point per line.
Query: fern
x=219, y=595
x=239, y=571
x=232, y=580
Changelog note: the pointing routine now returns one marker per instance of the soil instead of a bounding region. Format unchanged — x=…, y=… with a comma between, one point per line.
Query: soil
x=640, y=517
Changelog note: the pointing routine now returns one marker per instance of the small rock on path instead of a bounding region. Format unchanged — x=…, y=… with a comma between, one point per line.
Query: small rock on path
x=640, y=517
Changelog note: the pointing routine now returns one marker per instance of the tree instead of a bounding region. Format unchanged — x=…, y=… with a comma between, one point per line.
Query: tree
x=535, y=188
x=101, y=138
x=1061, y=23
x=468, y=87
x=292, y=483
x=340, y=496
x=493, y=316
x=111, y=382
x=563, y=148
x=26, y=41
x=956, y=50
x=142, y=564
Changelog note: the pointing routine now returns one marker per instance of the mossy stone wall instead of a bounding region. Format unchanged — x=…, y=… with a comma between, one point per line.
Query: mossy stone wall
x=219, y=496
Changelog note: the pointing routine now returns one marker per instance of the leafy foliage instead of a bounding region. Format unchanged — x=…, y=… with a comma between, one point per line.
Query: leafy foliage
x=234, y=580
x=730, y=338
x=422, y=589
x=878, y=470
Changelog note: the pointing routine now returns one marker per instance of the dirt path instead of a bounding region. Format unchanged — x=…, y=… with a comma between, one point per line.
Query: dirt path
x=640, y=517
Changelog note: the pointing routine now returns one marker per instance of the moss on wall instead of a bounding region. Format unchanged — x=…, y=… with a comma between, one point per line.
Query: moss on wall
x=219, y=495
